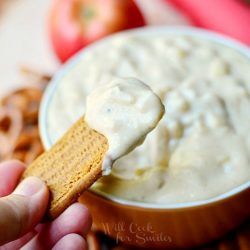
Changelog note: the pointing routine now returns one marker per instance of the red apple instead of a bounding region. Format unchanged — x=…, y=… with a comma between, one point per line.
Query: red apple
x=73, y=24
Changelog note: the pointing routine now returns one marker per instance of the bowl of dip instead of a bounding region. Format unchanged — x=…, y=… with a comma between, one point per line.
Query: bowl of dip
x=189, y=182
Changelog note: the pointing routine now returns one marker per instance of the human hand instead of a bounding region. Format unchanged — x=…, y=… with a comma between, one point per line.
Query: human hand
x=22, y=208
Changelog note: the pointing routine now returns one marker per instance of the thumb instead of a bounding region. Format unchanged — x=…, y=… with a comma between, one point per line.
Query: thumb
x=21, y=211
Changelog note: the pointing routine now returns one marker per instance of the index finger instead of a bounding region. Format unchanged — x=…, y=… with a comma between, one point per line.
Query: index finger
x=10, y=173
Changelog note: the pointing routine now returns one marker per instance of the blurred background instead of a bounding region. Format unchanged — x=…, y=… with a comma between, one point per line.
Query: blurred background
x=25, y=40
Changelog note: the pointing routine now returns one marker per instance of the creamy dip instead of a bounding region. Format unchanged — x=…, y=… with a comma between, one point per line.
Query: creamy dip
x=201, y=147
x=125, y=110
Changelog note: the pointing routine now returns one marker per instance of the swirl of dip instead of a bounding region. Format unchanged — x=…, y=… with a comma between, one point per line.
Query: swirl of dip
x=125, y=110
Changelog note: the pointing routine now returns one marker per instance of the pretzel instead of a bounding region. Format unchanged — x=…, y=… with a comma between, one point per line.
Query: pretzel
x=19, y=135
x=10, y=128
x=27, y=101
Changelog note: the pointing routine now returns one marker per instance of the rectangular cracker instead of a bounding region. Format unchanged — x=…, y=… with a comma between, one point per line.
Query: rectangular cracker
x=71, y=166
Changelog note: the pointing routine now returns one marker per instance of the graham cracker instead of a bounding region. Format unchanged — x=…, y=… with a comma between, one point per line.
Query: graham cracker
x=71, y=166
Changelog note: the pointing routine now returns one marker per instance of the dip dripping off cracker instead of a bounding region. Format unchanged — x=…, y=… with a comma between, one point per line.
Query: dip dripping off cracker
x=123, y=112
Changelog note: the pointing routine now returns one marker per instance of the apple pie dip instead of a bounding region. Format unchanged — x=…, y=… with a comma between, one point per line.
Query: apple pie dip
x=201, y=147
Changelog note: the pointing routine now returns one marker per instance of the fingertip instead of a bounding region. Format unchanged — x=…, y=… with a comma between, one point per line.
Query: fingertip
x=81, y=208
x=76, y=219
x=10, y=173
x=71, y=241
x=38, y=194
x=31, y=186
x=23, y=209
x=81, y=216
x=12, y=164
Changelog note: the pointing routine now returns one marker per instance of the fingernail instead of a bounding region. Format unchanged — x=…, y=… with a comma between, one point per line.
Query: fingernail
x=29, y=186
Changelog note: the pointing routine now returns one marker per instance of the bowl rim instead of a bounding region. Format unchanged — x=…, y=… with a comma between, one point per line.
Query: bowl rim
x=144, y=31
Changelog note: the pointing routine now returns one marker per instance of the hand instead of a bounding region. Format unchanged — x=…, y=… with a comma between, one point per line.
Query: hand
x=22, y=208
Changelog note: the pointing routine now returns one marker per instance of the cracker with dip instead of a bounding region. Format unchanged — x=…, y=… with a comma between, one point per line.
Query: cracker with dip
x=118, y=117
